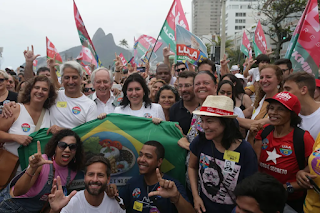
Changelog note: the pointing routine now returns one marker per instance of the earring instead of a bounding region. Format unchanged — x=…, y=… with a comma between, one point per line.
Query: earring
x=278, y=86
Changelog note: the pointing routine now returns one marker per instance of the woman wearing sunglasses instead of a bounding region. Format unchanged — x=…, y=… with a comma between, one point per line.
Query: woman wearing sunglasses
x=31, y=114
x=28, y=192
x=219, y=157
x=5, y=94
x=88, y=88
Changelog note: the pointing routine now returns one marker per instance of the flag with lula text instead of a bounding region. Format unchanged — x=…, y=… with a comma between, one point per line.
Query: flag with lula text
x=120, y=138
x=83, y=34
x=189, y=46
x=143, y=47
x=51, y=52
x=259, y=41
x=86, y=55
x=245, y=46
x=304, y=47
x=175, y=17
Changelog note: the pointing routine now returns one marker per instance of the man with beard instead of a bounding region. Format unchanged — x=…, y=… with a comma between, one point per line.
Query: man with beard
x=93, y=198
x=153, y=191
x=182, y=110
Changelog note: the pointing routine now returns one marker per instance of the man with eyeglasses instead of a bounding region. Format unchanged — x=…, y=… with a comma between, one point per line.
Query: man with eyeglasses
x=285, y=65
x=182, y=110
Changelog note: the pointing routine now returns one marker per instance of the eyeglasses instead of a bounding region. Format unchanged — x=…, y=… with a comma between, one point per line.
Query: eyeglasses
x=182, y=69
x=283, y=70
x=87, y=89
x=184, y=85
x=3, y=79
x=64, y=145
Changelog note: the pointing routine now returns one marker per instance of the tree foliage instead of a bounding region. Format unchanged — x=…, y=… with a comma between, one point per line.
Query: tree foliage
x=124, y=43
x=280, y=16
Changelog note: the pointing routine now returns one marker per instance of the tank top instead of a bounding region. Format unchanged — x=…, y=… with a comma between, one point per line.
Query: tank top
x=24, y=126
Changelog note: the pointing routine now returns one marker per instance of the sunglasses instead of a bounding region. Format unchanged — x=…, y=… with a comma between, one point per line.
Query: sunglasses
x=182, y=69
x=64, y=145
x=3, y=79
x=87, y=89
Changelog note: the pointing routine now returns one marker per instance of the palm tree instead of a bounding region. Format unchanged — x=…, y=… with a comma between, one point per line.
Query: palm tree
x=229, y=44
x=236, y=57
x=124, y=43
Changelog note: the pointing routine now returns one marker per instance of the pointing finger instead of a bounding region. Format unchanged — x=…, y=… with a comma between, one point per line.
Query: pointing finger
x=154, y=193
x=39, y=147
x=59, y=183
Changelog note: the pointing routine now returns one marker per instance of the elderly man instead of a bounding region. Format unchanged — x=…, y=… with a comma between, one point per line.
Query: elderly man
x=101, y=79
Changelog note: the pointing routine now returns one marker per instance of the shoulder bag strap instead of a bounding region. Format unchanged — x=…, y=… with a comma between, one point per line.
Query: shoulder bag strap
x=298, y=144
x=40, y=120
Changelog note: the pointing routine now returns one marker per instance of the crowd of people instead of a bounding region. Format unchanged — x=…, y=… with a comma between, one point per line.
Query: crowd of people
x=251, y=137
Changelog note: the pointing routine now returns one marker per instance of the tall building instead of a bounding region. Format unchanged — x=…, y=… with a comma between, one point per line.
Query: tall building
x=206, y=15
x=240, y=15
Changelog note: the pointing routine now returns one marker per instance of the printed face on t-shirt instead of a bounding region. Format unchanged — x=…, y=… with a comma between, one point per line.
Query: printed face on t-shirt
x=135, y=93
x=71, y=80
x=278, y=114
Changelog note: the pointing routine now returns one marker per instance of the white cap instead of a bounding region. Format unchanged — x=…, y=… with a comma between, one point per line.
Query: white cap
x=240, y=76
x=234, y=68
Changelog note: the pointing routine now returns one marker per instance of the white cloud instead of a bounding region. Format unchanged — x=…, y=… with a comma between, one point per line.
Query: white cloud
x=23, y=23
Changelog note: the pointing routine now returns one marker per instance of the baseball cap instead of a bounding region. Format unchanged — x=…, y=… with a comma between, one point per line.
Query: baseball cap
x=290, y=101
x=317, y=83
x=234, y=68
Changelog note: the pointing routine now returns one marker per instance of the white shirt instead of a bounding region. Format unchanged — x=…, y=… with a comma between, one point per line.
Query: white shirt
x=173, y=80
x=254, y=72
x=79, y=204
x=311, y=123
x=104, y=107
x=238, y=111
x=71, y=112
x=155, y=111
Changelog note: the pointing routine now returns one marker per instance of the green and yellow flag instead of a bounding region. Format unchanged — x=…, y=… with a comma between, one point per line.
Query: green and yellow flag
x=119, y=138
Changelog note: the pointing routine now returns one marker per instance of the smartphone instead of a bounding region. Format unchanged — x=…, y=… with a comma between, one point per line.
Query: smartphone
x=141, y=69
x=314, y=185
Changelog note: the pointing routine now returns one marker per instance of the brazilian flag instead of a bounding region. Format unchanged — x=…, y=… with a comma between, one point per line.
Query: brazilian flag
x=119, y=138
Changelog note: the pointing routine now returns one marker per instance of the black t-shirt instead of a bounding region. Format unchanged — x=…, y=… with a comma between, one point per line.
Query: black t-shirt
x=179, y=113
x=12, y=96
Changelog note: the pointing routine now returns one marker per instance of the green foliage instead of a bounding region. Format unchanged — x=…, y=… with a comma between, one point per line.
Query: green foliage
x=124, y=43
x=236, y=57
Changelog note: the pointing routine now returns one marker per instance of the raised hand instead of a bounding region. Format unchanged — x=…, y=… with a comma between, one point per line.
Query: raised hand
x=36, y=159
x=24, y=140
x=166, y=51
x=57, y=199
x=168, y=189
x=92, y=66
x=51, y=62
x=251, y=62
x=224, y=62
x=269, y=52
x=29, y=55
x=118, y=62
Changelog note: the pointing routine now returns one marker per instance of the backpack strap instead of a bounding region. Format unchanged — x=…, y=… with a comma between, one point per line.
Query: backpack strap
x=298, y=144
x=266, y=131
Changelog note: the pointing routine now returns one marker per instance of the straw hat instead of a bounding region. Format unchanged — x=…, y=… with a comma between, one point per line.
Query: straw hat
x=217, y=106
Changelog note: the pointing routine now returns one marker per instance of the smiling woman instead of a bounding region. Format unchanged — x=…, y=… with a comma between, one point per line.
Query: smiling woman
x=166, y=97
x=29, y=115
x=29, y=190
x=5, y=94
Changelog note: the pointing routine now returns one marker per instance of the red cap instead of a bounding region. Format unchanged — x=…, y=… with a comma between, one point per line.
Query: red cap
x=290, y=101
x=317, y=82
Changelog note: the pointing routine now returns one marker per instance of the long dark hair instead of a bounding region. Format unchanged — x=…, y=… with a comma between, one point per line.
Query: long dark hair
x=52, y=145
x=230, y=83
x=231, y=132
x=136, y=77
x=237, y=85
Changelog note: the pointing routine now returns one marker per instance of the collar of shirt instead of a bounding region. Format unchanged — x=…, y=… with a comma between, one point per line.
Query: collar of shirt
x=112, y=97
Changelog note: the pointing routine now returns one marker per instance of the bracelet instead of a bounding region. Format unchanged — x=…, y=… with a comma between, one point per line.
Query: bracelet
x=177, y=200
x=117, y=71
x=29, y=174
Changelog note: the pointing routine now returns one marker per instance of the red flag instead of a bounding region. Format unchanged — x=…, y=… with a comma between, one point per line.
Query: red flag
x=259, y=41
x=123, y=59
x=35, y=62
x=51, y=51
x=304, y=48
x=86, y=55
x=245, y=46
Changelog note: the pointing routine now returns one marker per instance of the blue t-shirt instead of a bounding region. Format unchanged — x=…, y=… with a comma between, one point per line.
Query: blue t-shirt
x=136, y=190
x=212, y=191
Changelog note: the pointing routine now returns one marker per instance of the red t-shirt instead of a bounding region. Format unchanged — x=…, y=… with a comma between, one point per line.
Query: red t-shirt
x=278, y=157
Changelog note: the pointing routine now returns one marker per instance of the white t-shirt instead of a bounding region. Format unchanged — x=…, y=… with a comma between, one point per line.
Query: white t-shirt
x=173, y=80
x=238, y=111
x=155, y=111
x=79, y=204
x=254, y=72
x=71, y=112
x=311, y=123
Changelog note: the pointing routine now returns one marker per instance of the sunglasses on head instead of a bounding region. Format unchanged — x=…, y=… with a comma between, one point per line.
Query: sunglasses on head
x=87, y=89
x=182, y=69
x=3, y=79
x=64, y=145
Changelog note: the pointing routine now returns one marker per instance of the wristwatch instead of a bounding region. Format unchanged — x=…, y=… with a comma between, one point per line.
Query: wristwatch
x=290, y=188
